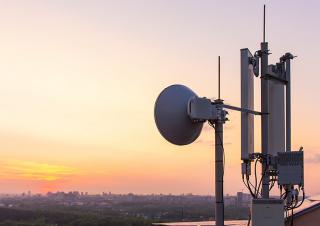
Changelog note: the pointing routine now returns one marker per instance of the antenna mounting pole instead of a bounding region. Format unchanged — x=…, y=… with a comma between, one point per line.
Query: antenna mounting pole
x=264, y=23
x=219, y=165
x=219, y=78
x=264, y=109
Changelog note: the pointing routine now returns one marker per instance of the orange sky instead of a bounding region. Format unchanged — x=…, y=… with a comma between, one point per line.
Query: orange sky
x=79, y=80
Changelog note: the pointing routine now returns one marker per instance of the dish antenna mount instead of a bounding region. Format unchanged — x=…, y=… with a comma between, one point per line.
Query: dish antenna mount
x=179, y=115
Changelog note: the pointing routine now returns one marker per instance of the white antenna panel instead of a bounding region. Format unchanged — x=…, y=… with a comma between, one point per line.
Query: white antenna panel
x=247, y=102
x=276, y=118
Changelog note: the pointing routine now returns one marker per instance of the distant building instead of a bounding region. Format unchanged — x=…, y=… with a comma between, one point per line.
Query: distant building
x=243, y=199
x=239, y=198
x=230, y=201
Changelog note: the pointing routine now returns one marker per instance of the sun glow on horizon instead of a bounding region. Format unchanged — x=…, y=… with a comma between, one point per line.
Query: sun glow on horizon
x=21, y=169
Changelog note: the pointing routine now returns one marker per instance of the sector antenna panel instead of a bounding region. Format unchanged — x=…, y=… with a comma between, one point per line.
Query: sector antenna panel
x=247, y=102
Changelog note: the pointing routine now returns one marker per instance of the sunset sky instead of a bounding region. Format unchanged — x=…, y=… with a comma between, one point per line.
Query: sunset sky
x=78, y=82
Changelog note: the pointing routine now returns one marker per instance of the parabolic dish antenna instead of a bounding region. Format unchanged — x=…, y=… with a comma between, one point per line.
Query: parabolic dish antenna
x=171, y=115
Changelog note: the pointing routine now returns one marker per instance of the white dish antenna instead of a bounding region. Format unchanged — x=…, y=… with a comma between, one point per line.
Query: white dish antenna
x=172, y=118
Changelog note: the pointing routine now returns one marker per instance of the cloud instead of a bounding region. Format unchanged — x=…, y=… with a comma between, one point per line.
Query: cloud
x=208, y=128
x=19, y=169
x=313, y=159
x=209, y=142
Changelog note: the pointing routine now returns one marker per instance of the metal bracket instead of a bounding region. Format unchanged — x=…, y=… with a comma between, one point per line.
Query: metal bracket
x=243, y=110
x=287, y=56
x=276, y=72
x=201, y=109
x=255, y=64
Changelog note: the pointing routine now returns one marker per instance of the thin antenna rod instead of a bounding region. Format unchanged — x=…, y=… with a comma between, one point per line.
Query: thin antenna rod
x=264, y=23
x=218, y=77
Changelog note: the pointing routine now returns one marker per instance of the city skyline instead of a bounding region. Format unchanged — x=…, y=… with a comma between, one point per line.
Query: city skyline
x=79, y=80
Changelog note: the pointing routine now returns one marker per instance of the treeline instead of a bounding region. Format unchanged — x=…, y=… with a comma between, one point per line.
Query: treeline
x=21, y=217
x=39, y=212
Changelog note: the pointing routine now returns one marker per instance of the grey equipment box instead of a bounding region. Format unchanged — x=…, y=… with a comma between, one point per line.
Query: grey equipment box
x=290, y=168
x=267, y=212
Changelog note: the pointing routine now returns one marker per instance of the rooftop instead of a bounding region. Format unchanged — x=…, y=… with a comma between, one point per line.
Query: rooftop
x=205, y=223
x=309, y=204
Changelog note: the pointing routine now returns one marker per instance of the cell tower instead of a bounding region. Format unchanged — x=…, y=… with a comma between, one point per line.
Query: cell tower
x=180, y=114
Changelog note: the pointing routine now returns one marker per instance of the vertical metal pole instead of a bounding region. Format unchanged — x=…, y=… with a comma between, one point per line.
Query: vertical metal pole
x=288, y=57
x=288, y=105
x=219, y=78
x=264, y=23
x=265, y=115
x=219, y=168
